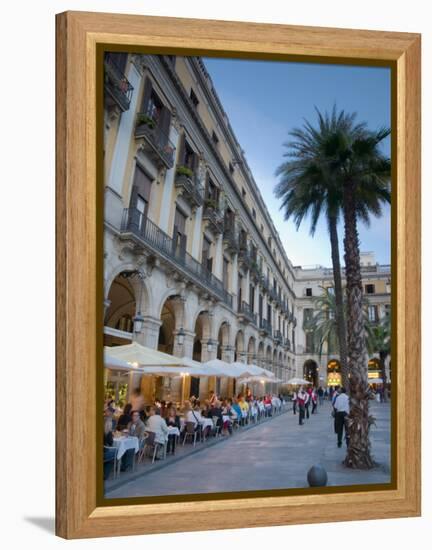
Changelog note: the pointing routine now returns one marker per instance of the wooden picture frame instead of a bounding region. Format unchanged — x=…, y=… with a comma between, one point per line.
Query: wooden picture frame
x=78, y=292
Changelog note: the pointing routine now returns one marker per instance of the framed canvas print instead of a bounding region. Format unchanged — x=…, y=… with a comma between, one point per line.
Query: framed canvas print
x=238, y=274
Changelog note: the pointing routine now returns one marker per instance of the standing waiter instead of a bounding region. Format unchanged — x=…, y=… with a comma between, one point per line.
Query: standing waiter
x=341, y=408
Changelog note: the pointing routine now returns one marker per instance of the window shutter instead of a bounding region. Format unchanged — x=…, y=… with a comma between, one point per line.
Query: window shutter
x=181, y=149
x=165, y=120
x=146, y=95
x=120, y=59
x=134, y=197
x=207, y=181
x=195, y=163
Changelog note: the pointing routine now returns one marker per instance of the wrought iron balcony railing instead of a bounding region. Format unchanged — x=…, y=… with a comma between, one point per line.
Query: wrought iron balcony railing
x=278, y=337
x=245, y=258
x=265, y=326
x=272, y=293
x=214, y=217
x=230, y=239
x=192, y=190
x=156, y=142
x=118, y=89
x=265, y=283
x=287, y=344
x=159, y=242
x=246, y=312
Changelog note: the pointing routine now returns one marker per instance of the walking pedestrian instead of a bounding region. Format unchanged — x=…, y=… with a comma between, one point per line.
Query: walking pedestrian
x=302, y=397
x=294, y=402
x=314, y=399
x=341, y=408
x=320, y=395
x=308, y=401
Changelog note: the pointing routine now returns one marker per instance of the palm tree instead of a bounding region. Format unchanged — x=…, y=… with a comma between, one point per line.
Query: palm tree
x=324, y=326
x=364, y=174
x=307, y=186
x=336, y=167
x=323, y=323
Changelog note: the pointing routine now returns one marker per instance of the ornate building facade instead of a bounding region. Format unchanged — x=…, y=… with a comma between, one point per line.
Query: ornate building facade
x=193, y=263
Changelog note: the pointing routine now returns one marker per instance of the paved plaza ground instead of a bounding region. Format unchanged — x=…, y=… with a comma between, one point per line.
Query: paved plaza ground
x=274, y=454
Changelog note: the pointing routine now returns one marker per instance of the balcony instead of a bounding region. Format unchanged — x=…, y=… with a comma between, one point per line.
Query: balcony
x=245, y=258
x=118, y=89
x=149, y=235
x=191, y=189
x=246, y=314
x=155, y=142
x=272, y=293
x=230, y=240
x=265, y=327
x=265, y=283
x=278, y=338
x=213, y=216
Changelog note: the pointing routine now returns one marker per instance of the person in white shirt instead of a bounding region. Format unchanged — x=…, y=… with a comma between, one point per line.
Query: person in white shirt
x=341, y=407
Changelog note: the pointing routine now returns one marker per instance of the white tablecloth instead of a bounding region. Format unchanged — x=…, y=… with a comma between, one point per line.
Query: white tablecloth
x=123, y=444
x=206, y=422
x=226, y=418
x=172, y=430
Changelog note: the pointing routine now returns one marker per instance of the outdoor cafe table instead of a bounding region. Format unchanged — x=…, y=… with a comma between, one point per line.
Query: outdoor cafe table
x=205, y=422
x=123, y=443
x=173, y=430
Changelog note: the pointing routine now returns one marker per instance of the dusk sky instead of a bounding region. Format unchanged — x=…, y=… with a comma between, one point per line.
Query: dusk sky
x=265, y=100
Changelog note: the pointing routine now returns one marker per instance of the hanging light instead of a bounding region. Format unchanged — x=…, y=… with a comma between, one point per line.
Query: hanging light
x=138, y=322
x=180, y=336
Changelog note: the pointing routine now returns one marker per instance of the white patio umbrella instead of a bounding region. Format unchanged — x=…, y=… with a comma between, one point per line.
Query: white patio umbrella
x=113, y=363
x=267, y=373
x=298, y=381
x=198, y=368
x=242, y=369
x=255, y=379
x=221, y=368
x=137, y=355
x=255, y=370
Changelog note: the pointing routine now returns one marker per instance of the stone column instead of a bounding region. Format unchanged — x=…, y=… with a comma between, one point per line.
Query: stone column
x=107, y=304
x=246, y=281
x=115, y=177
x=218, y=265
x=234, y=276
x=207, y=383
x=168, y=185
x=196, y=235
x=149, y=337
x=227, y=386
x=256, y=300
x=180, y=387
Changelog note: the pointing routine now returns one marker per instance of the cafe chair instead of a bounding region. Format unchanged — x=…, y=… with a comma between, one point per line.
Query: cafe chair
x=151, y=444
x=190, y=431
x=216, y=428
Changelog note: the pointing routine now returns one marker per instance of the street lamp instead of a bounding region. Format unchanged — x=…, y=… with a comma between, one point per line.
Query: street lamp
x=138, y=322
x=180, y=336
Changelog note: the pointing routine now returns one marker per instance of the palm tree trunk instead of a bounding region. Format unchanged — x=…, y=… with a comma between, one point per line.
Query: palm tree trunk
x=358, y=453
x=339, y=313
x=383, y=357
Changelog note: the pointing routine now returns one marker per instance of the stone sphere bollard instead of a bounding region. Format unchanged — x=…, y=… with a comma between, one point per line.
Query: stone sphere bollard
x=317, y=476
